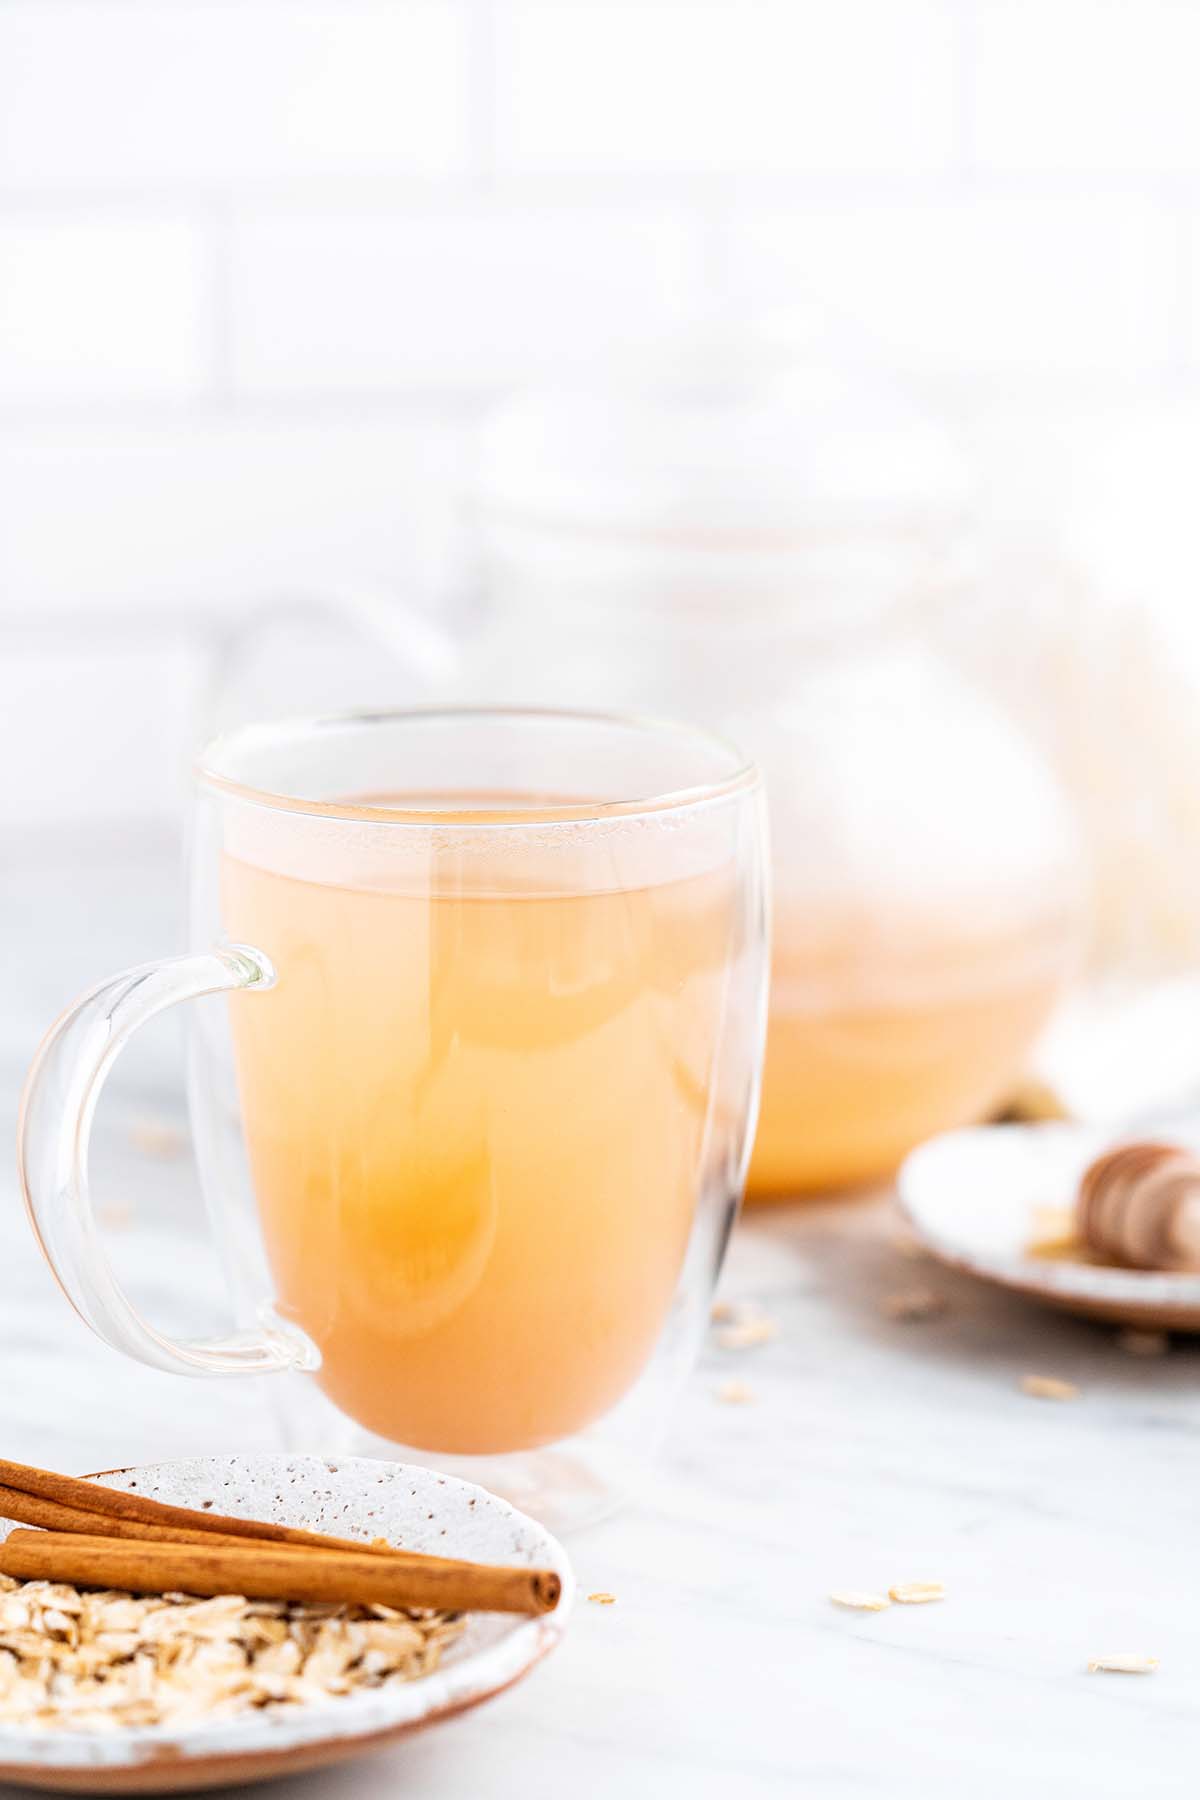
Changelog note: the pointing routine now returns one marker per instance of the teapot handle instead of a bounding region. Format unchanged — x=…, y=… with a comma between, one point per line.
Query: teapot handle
x=422, y=652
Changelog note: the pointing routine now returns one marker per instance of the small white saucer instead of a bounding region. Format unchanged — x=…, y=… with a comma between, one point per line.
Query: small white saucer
x=352, y=1497
x=971, y=1198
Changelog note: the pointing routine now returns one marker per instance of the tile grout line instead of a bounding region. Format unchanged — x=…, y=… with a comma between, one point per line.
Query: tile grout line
x=1180, y=321
x=222, y=325
x=964, y=30
x=483, y=96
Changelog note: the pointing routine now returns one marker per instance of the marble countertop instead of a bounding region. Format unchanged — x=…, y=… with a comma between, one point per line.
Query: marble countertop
x=872, y=1451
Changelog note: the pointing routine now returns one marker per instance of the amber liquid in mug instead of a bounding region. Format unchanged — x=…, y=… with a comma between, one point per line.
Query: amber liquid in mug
x=476, y=1123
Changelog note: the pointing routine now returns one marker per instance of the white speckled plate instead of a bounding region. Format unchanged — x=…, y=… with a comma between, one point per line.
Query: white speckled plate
x=351, y=1497
x=970, y=1196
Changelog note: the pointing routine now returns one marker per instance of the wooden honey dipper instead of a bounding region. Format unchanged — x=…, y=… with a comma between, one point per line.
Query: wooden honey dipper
x=1140, y=1205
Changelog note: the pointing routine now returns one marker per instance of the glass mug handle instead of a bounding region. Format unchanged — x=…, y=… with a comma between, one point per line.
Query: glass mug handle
x=53, y=1134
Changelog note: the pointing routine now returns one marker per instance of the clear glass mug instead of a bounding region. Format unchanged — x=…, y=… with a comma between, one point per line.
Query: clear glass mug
x=763, y=532
x=473, y=1122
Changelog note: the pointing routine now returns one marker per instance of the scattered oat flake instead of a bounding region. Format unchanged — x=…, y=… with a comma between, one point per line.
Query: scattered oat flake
x=746, y=1333
x=856, y=1602
x=1034, y=1102
x=735, y=1393
x=1048, y=1387
x=1053, y=1232
x=723, y=1312
x=1143, y=1343
x=602, y=1599
x=157, y=1137
x=917, y=1593
x=913, y=1304
x=116, y=1214
x=906, y=1243
x=1122, y=1665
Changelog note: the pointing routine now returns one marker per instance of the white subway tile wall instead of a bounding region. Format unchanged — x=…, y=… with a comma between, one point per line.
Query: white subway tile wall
x=704, y=85
x=95, y=729
x=104, y=309
x=166, y=522
x=162, y=94
x=1081, y=85
x=375, y=302
x=1012, y=283
x=262, y=262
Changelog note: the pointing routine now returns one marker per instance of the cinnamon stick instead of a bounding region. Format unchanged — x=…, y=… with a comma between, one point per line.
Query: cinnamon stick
x=93, y=1497
x=51, y=1515
x=276, y=1572
x=48, y=1515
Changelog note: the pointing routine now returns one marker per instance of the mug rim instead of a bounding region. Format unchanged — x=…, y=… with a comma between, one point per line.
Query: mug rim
x=744, y=775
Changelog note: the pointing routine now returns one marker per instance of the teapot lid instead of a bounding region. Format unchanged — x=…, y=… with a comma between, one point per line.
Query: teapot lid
x=775, y=430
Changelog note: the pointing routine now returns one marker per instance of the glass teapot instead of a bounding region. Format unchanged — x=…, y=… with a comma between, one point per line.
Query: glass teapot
x=763, y=542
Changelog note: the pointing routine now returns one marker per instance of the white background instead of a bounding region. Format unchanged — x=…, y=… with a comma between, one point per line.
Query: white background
x=263, y=262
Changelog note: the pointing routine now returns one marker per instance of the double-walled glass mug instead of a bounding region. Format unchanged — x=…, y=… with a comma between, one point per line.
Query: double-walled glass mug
x=474, y=1118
